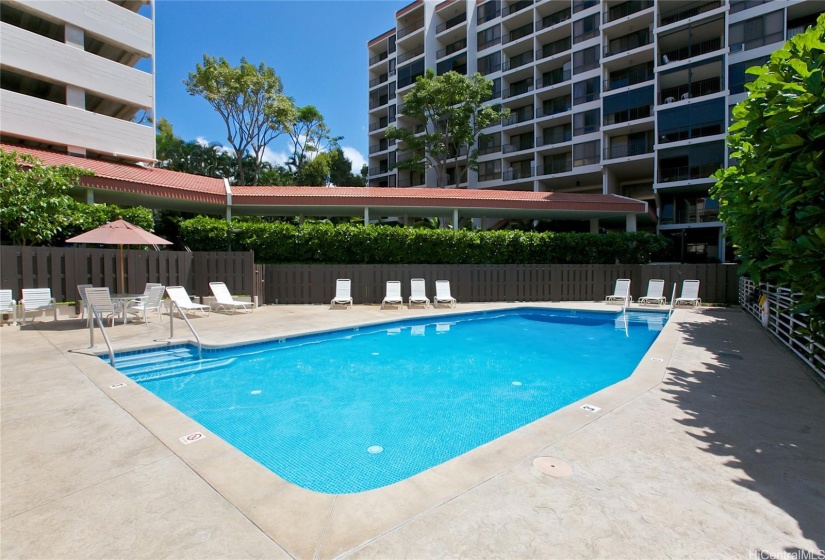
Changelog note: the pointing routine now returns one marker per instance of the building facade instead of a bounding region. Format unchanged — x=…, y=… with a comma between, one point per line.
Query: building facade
x=77, y=76
x=627, y=97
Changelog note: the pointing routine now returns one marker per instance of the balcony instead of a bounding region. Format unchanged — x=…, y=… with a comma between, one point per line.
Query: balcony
x=688, y=172
x=379, y=80
x=680, y=13
x=376, y=102
x=380, y=147
x=514, y=174
x=515, y=7
x=518, y=146
x=690, y=131
x=405, y=56
x=554, y=48
x=410, y=182
x=518, y=33
x=518, y=61
x=494, y=176
x=692, y=90
x=492, y=149
x=629, y=42
x=630, y=77
x=553, y=78
x=412, y=28
x=451, y=48
x=627, y=8
x=450, y=23
x=629, y=149
x=690, y=217
x=631, y=114
x=517, y=89
x=690, y=51
x=555, y=107
x=554, y=167
x=379, y=170
x=378, y=58
x=518, y=117
x=553, y=19
x=555, y=135
x=383, y=123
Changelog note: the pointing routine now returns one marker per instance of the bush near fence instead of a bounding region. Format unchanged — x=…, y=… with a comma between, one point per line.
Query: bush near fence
x=278, y=242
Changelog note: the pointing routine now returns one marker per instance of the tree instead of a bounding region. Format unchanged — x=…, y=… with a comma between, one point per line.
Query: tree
x=340, y=171
x=250, y=101
x=35, y=204
x=310, y=136
x=773, y=200
x=453, y=108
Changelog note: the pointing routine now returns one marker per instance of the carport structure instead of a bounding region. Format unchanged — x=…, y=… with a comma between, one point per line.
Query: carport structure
x=134, y=185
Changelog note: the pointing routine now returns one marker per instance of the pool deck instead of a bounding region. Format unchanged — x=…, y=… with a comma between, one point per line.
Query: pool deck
x=714, y=447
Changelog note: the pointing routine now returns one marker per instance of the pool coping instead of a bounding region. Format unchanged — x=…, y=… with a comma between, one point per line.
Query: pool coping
x=310, y=524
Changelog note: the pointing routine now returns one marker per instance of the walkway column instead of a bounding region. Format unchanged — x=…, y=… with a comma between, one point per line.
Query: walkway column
x=90, y=196
x=630, y=222
x=455, y=219
x=594, y=225
x=366, y=215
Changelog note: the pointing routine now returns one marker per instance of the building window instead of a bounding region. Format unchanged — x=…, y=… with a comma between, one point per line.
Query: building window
x=586, y=153
x=585, y=28
x=579, y=5
x=586, y=90
x=489, y=170
x=691, y=121
x=488, y=11
x=489, y=37
x=737, y=77
x=490, y=63
x=407, y=74
x=456, y=64
x=586, y=122
x=585, y=60
x=758, y=31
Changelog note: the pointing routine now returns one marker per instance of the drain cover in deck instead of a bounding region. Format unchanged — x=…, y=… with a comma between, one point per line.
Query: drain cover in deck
x=553, y=466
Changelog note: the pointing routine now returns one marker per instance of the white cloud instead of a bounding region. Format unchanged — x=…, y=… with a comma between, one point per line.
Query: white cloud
x=355, y=157
x=201, y=141
x=275, y=158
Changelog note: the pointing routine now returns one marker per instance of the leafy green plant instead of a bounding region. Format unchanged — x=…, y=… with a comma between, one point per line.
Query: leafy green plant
x=773, y=200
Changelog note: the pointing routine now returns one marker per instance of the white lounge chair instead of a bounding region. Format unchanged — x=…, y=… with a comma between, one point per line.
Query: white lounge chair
x=37, y=300
x=179, y=296
x=8, y=306
x=418, y=293
x=393, y=296
x=224, y=301
x=101, y=300
x=343, y=295
x=81, y=292
x=655, y=293
x=142, y=306
x=690, y=294
x=621, y=293
x=442, y=293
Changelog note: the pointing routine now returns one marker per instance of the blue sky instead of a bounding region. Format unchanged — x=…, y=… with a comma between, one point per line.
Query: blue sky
x=318, y=48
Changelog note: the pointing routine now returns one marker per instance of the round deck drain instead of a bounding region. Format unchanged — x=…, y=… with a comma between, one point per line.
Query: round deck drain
x=375, y=449
x=553, y=466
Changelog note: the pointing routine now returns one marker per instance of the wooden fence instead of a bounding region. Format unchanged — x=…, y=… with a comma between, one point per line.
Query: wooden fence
x=303, y=284
x=62, y=269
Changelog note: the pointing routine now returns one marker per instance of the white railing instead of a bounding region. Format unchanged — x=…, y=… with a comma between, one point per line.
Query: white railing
x=94, y=316
x=791, y=328
x=172, y=306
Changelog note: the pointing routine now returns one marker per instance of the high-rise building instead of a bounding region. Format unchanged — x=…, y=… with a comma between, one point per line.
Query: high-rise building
x=628, y=97
x=77, y=76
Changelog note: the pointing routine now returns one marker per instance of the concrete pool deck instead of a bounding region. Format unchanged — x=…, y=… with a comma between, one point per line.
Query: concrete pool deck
x=713, y=448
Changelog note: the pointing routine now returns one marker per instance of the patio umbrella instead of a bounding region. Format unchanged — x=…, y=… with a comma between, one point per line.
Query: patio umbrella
x=120, y=233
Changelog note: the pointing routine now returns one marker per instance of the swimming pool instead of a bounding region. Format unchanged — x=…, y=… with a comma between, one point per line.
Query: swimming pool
x=359, y=409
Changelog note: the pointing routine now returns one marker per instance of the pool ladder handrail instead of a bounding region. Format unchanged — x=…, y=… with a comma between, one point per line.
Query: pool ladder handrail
x=172, y=305
x=672, y=300
x=95, y=315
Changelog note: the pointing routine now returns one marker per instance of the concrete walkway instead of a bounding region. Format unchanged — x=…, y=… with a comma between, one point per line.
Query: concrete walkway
x=715, y=451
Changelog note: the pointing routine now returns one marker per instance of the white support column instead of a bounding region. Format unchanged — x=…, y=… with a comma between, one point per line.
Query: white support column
x=630, y=222
x=594, y=225
x=90, y=196
x=228, y=188
x=455, y=219
x=366, y=215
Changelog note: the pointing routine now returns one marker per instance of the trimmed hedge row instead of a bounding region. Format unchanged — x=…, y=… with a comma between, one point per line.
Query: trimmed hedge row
x=276, y=242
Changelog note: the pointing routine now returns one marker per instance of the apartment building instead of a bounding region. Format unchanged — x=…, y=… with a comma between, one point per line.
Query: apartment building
x=627, y=97
x=77, y=76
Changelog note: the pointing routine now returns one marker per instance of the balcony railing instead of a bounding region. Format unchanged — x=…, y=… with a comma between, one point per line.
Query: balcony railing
x=690, y=217
x=412, y=28
x=628, y=43
x=492, y=176
x=493, y=149
x=672, y=16
x=629, y=115
x=518, y=61
x=379, y=170
x=688, y=172
x=378, y=58
x=379, y=80
x=409, y=182
x=490, y=43
x=553, y=78
x=489, y=69
x=515, y=7
x=554, y=136
x=451, y=48
x=518, y=117
x=629, y=78
x=378, y=148
x=378, y=102
x=450, y=23
x=517, y=147
x=560, y=166
x=405, y=56
x=553, y=19
x=629, y=149
x=687, y=132
x=692, y=90
x=757, y=42
x=518, y=33
x=514, y=174
x=516, y=90
x=554, y=48
x=690, y=51
x=560, y=105
x=378, y=125
x=625, y=9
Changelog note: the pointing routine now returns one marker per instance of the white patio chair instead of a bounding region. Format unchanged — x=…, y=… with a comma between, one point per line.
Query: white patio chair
x=81, y=292
x=343, y=294
x=179, y=296
x=141, y=307
x=224, y=301
x=393, y=296
x=418, y=293
x=8, y=306
x=621, y=293
x=37, y=300
x=101, y=299
x=690, y=294
x=655, y=293
x=442, y=293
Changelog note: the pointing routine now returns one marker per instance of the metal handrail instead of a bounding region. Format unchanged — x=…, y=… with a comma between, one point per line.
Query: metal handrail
x=172, y=305
x=672, y=300
x=94, y=313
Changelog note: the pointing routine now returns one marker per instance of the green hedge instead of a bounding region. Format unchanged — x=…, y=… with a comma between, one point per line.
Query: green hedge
x=276, y=242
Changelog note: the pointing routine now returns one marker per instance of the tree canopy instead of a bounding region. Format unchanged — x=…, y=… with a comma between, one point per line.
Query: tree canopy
x=773, y=200
x=250, y=101
x=309, y=136
x=454, y=108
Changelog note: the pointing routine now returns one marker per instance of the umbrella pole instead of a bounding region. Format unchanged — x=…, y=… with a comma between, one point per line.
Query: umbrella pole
x=122, y=284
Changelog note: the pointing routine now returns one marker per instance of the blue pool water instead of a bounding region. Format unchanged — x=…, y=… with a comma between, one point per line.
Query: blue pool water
x=362, y=408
